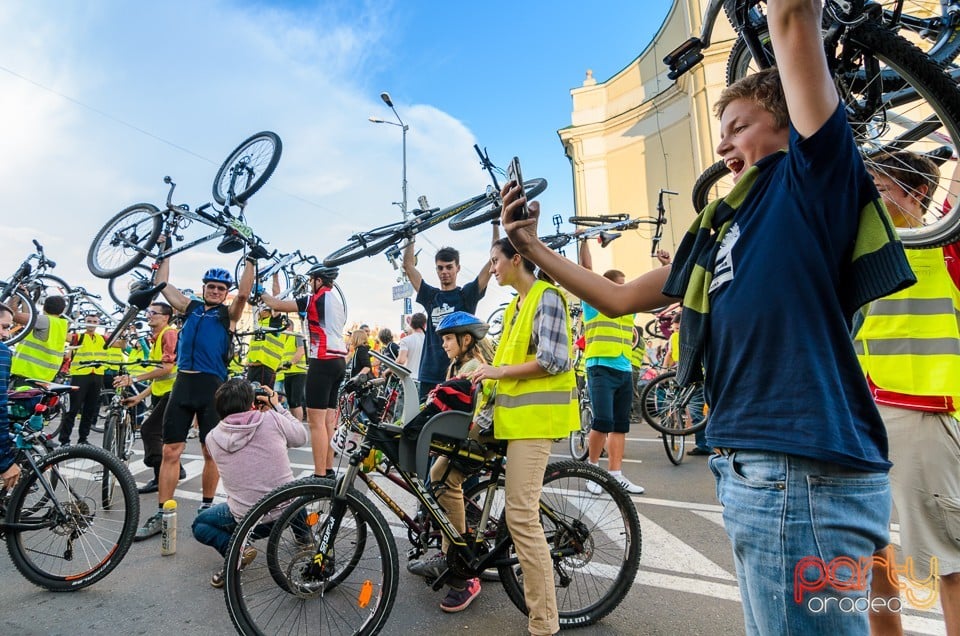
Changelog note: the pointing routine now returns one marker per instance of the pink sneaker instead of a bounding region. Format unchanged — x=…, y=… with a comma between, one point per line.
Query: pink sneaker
x=459, y=600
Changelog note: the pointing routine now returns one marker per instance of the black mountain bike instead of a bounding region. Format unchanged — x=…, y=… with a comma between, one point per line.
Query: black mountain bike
x=896, y=97
x=466, y=214
x=71, y=518
x=329, y=557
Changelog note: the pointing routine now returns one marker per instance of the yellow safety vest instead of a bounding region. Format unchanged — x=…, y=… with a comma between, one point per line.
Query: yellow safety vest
x=608, y=337
x=235, y=367
x=114, y=355
x=637, y=354
x=91, y=348
x=41, y=359
x=136, y=354
x=910, y=340
x=290, y=349
x=268, y=352
x=164, y=384
x=532, y=408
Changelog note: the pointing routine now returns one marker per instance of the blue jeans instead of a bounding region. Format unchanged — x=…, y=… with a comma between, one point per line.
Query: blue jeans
x=782, y=511
x=214, y=527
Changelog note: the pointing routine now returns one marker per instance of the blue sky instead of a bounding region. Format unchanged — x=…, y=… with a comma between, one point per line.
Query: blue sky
x=130, y=92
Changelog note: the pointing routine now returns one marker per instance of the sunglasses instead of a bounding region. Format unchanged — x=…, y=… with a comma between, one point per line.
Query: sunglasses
x=151, y=312
x=219, y=288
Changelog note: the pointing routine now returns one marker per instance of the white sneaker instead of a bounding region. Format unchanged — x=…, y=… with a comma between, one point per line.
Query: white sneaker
x=628, y=485
x=593, y=487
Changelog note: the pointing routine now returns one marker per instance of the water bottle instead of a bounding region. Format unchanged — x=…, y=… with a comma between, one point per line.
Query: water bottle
x=168, y=525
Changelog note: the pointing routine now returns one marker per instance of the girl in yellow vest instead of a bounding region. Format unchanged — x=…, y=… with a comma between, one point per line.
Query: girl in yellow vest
x=535, y=403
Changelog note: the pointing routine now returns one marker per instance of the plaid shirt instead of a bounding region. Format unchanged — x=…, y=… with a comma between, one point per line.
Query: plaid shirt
x=550, y=337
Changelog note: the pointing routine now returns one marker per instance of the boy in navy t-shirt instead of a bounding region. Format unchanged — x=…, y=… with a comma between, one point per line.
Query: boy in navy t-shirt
x=440, y=302
x=801, y=462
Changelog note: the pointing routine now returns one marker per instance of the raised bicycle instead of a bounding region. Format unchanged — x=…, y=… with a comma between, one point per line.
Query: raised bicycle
x=131, y=235
x=64, y=530
x=330, y=558
x=26, y=290
x=474, y=211
x=896, y=98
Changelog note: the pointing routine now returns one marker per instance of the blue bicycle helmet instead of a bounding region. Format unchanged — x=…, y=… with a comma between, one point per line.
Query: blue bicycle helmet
x=463, y=322
x=324, y=272
x=218, y=275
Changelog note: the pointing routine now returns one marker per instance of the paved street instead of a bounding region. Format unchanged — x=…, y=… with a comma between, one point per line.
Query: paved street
x=685, y=584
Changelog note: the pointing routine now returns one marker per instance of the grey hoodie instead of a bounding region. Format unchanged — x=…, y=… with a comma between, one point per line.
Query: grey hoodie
x=250, y=449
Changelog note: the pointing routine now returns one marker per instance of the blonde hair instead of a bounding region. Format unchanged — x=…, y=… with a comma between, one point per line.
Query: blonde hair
x=762, y=88
x=358, y=337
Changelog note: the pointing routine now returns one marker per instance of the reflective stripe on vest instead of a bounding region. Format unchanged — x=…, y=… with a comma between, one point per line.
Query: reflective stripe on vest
x=608, y=337
x=531, y=408
x=910, y=340
x=290, y=349
x=41, y=359
x=91, y=348
x=268, y=351
x=164, y=384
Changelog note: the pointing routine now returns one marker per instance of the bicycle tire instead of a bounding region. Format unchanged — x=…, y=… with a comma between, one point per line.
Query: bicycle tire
x=111, y=444
x=674, y=445
x=257, y=605
x=487, y=208
x=924, y=24
x=120, y=287
x=104, y=535
x=124, y=240
x=366, y=244
x=919, y=111
x=610, y=553
x=105, y=399
x=495, y=321
x=283, y=276
x=593, y=221
x=259, y=154
x=18, y=332
x=715, y=182
x=579, y=440
x=50, y=285
x=663, y=399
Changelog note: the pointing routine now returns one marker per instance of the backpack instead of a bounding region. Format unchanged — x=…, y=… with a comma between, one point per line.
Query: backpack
x=455, y=394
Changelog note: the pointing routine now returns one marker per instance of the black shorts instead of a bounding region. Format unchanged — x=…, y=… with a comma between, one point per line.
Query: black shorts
x=323, y=382
x=295, y=386
x=192, y=395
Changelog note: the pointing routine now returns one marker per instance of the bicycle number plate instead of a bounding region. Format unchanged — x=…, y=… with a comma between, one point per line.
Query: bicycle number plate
x=242, y=228
x=346, y=440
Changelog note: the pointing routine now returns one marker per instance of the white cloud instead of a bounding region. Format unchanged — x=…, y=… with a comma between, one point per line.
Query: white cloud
x=203, y=76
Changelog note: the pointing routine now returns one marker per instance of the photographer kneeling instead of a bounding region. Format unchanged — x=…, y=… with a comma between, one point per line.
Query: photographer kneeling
x=249, y=446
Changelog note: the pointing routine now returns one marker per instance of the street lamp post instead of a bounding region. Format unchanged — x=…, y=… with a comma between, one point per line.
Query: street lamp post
x=385, y=96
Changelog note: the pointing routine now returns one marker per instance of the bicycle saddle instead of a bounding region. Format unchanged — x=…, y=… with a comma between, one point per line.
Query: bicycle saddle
x=141, y=299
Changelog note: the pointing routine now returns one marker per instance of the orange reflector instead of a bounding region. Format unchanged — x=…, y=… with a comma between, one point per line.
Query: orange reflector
x=366, y=592
x=313, y=518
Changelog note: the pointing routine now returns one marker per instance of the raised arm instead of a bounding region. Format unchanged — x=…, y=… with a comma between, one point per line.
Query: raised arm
x=798, y=47
x=244, y=287
x=410, y=265
x=483, y=278
x=639, y=295
x=586, y=260
x=173, y=295
x=286, y=306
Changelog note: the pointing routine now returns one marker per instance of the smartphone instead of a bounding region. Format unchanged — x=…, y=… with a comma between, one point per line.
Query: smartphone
x=514, y=174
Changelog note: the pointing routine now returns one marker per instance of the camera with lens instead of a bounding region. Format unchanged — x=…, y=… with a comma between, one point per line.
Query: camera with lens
x=259, y=390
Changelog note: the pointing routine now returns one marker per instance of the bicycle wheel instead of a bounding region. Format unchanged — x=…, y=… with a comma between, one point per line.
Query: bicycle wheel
x=344, y=600
x=674, y=445
x=120, y=287
x=487, y=208
x=267, y=281
x=495, y=320
x=72, y=550
x=896, y=99
x=579, y=440
x=124, y=241
x=366, y=244
x=671, y=409
x=13, y=298
x=49, y=285
x=715, y=182
x=474, y=499
x=599, y=536
x=247, y=168
x=932, y=25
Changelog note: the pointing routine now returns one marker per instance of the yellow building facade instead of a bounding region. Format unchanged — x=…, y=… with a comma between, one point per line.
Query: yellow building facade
x=639, y=131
